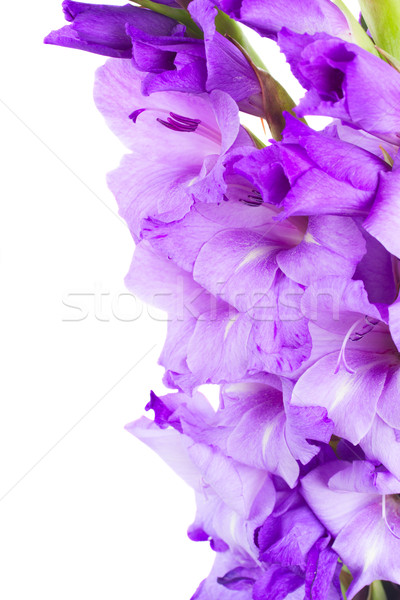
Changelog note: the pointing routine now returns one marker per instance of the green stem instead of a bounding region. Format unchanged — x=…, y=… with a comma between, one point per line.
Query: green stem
x=179, y=14
x=275, y=98
x=230, y=28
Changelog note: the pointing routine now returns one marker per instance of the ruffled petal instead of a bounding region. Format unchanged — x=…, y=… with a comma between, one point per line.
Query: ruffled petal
x=319, y=15
x=344, y=81
x=333, y=508
x=350, y=398
x=331, y=246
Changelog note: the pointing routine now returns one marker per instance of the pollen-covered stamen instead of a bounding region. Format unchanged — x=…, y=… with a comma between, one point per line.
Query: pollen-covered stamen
x=253, y=199
x=188, y=125
x=180, y=123
x=367, y=325
x=185, y=120
x=250, y=202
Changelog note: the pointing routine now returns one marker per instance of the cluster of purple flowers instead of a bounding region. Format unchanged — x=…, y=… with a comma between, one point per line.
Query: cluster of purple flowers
x=278, y=267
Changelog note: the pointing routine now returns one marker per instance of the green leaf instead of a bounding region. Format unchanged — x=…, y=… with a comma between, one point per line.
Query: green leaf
x=383, y=20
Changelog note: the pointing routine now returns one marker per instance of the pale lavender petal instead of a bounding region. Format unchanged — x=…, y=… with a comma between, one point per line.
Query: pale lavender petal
x=382, y=444
x=223, y=335
x=333, y=508
x=244, y=271
x=332, y=246
x=142, y=191
x=171, y=446
x=372, y=552
x=350, y=398
x=388, y=405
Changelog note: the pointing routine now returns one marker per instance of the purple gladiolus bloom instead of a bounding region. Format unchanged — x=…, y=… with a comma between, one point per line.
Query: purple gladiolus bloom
x=254, y=425
x=355, y=371
x=174, y=138
x=253, y=243
x=248, y=305
x=313, y=173
x=172, y=62
x=359, y=506
x=160, y=47
x=278, y=267
x=316, y=173
x=346, y=82
x=237, y=343
x=233, y=498
x=175, y=62
x=266, y=538
x=255, y=289
x=101, y=28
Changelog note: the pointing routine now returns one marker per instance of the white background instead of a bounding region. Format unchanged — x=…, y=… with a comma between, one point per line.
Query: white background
x=86, y=511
